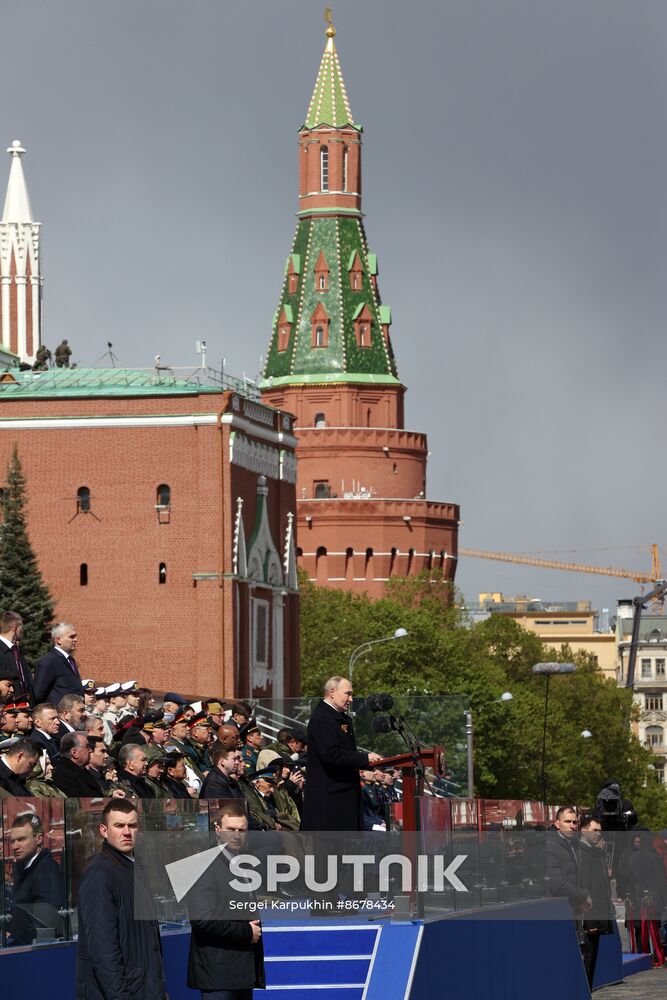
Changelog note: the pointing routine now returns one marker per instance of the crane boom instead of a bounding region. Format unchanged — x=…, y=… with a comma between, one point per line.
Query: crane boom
x=570, y=566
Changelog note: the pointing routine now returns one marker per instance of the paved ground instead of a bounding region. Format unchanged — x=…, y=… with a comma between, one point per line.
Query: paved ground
x=650, y=985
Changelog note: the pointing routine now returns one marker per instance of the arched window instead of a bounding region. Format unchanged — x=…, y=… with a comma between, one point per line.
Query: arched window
x=322, y=490
x=320, y=420
x=349, y=564
x=321, y=572
x=654, y=736
x=345, y=169
x=368, y=567
x=83, y=499
x=392, y=562
x=163, y=495
x=83, y=575
x=324, y=168
x=320, y=339
x=162, y=573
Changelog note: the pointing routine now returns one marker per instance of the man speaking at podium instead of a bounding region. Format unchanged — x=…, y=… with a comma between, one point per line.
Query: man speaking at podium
x=332, y=796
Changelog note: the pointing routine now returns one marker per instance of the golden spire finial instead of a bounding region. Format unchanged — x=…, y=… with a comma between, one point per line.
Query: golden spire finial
x=328, y=17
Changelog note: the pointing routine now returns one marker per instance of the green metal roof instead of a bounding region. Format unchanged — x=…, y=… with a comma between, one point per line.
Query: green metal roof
x=343, y=359
x=326, y=378
x=96, y=382
x=329, y=104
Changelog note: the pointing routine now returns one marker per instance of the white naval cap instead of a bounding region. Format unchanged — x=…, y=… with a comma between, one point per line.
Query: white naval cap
x=113, y=689
x=100, y=692
x=127, y=686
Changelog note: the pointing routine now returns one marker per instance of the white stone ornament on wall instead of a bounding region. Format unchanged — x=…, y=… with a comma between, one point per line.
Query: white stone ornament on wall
x=261, y=458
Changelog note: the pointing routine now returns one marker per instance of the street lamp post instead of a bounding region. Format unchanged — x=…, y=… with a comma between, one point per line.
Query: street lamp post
x=400, y=633
x=548, y=669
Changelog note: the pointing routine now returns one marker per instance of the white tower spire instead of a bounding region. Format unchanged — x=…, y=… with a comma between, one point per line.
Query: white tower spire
x=20, y=277
x=17, y=203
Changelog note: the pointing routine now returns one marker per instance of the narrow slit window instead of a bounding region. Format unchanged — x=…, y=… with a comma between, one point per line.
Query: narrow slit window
x=163, y=495
x=83, y=499
x=324, y=168
x=162, y=573
x=83, y=575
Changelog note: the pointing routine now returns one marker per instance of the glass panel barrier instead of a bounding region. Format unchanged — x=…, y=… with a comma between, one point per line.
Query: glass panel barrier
x=33, y=859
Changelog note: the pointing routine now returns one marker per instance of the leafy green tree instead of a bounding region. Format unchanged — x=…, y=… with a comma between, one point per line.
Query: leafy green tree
x=446, y=655
x=21, y=586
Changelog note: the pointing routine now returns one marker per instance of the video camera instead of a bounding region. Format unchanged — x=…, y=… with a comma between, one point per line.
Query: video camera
x=613, y=811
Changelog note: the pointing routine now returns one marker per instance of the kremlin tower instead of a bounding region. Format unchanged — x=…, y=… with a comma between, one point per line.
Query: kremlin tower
x=362, y=512
x=20, y=278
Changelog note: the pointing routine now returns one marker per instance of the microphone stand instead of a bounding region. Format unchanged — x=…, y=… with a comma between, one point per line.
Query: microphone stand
x=400, y=726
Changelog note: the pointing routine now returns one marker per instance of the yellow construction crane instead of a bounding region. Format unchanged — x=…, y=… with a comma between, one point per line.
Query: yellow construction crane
x=628, y=574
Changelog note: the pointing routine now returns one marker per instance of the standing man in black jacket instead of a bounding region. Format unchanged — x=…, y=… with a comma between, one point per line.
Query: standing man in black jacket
x=57, y=674
x=118, y=957
x=332, y=797
x=594, y=878
x=11, y=632
x=226, y=957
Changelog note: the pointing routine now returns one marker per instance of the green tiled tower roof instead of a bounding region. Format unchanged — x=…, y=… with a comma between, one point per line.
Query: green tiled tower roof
x=342, y=242
x=329, y=104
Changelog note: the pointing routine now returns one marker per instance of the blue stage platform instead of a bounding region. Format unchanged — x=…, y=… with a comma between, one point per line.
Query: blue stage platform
x=516, y=951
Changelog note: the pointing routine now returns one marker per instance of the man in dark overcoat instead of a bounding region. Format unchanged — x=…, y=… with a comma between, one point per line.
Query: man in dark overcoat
x=332, y=796
x=118, y=957
x=594, y=878
x=39, y=886
x=226, y=959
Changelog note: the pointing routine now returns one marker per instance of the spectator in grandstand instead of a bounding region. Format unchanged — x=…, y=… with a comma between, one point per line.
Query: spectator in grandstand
x=93, y=727
x=199, y=739
x=11, y=632
x=155, y=764
x=40, y=780
x=132, y=764
x=56, y=673
x=71, y=773
x=253, y=742
x=15, y=766
x=175, y=774
x=71, y=714
x=229, y=736
x=45, y=729
x=222, y=781
x=6, y=683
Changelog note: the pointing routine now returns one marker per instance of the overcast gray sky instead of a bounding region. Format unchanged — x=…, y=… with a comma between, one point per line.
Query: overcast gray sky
x=515, y=166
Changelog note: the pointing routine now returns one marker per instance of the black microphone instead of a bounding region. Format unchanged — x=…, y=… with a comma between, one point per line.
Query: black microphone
x=382, y=724
x=385, y=702
x=372, y=702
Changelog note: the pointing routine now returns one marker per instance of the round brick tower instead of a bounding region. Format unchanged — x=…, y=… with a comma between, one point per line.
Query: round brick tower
x=363, y=515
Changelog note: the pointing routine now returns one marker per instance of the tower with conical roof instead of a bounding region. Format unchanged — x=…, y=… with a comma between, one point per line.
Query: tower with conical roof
x=20, y=277
x=361, y=480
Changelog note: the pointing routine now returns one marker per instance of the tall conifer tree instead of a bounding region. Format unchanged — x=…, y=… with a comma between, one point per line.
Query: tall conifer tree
x=21, y=586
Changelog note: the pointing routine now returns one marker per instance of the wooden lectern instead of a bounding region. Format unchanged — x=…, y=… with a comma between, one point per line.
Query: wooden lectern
x=413, y=783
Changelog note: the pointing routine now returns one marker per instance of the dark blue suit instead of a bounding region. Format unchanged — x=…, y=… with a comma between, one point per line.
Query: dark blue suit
x=49, y=743
x=54, y=678
x=8, y=660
